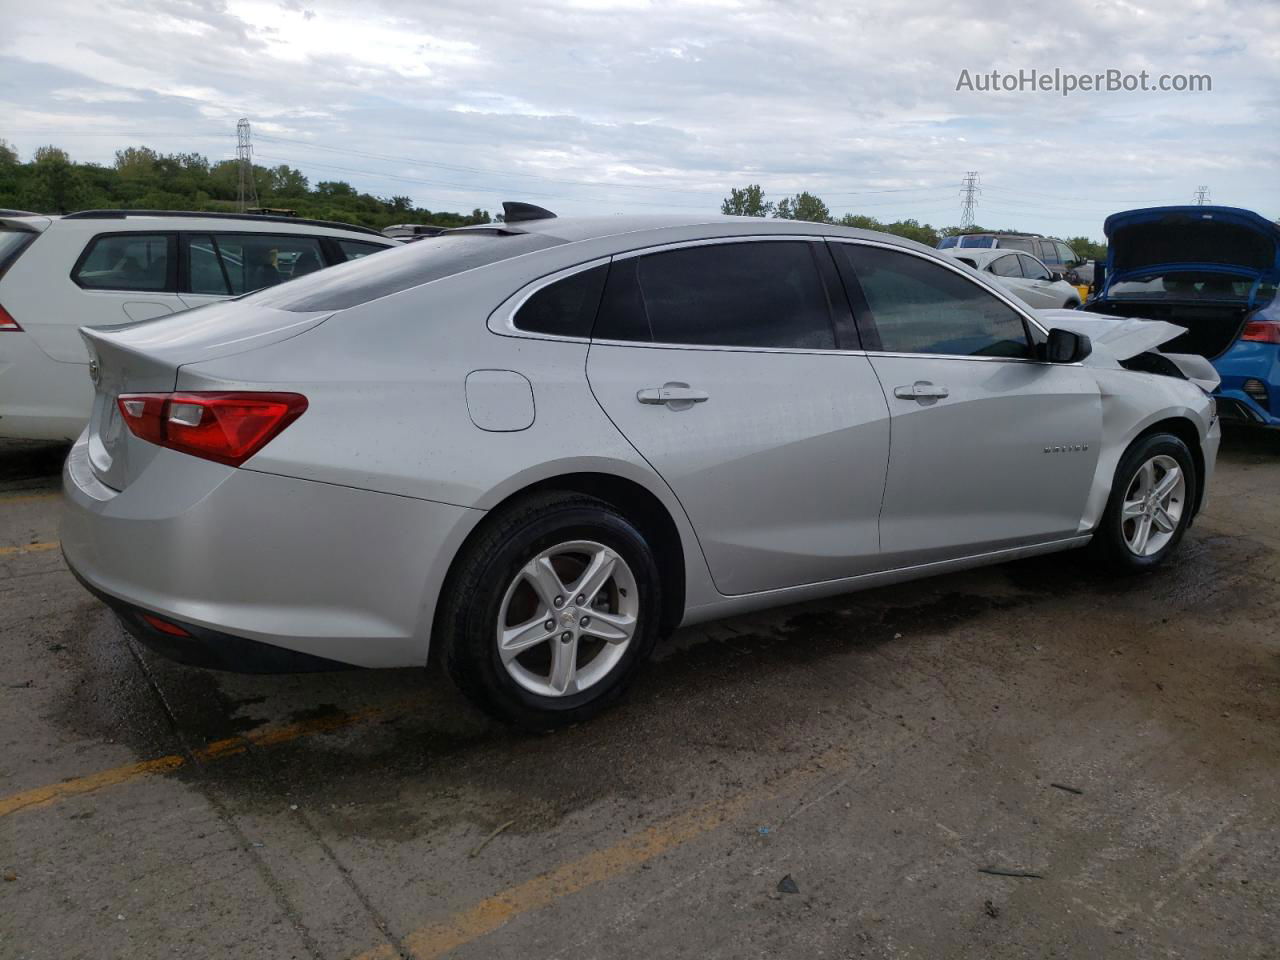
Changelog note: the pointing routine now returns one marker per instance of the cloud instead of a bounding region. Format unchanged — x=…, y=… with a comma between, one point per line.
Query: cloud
x=597, y=106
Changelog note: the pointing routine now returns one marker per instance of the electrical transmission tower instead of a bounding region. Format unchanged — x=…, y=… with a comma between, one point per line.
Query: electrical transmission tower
x=244, y=156
x=969, y=191
x=1202, y=195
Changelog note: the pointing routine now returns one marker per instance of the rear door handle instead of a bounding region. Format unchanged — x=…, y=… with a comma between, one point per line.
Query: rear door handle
x=921, y=390
x=680, y=394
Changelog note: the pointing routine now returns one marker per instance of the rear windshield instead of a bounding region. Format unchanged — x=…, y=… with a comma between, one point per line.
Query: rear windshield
x=976, y=241
x=369, y=278
x=12, y=243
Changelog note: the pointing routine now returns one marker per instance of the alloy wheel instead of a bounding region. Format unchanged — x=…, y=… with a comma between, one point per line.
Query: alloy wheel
x=567, y=618
x=1153, y=506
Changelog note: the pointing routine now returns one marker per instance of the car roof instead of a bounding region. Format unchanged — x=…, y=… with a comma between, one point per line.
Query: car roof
x=651, y=229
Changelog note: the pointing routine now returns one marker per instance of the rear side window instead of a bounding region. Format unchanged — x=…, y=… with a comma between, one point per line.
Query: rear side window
x=12, y=243
x=566, y=308
x=916, y=306
x=756, y=294
x=126, y=261
x=1006, y=266
x=1049, y=253
x=355, y=249
x=399, y=268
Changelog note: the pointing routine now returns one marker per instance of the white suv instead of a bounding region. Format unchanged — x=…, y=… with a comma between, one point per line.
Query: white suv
x=105, y=267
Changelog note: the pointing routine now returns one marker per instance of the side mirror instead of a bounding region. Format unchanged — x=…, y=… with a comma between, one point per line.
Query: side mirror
x=1063, y=346
x=1054, y=276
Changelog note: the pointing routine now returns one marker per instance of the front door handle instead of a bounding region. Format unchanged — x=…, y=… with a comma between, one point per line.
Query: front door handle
x=676, y=395
x=921, y=390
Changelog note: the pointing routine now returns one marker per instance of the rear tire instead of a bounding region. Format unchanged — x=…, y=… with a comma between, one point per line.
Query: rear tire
x=1152, y=497
x=548, y=615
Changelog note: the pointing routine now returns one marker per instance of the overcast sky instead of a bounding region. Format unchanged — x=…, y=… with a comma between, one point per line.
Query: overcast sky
x=602, y=106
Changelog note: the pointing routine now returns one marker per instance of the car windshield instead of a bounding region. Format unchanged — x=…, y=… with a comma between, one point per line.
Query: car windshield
x=1184, y=285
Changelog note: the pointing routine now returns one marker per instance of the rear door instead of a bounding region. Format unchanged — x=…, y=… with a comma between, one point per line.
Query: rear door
x=992, y=449
x=128, y=275
x=1041, y=289
x=724, y=364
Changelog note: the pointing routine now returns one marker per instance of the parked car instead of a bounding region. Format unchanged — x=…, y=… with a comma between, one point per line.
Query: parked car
x=1022, y=275
x=535, y=446
x=104, y=267
x=1053, y=253
x=1213, y=271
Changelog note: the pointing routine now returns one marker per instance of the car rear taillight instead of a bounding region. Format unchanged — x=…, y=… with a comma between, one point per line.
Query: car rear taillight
x=6, y=320
x=225, y=427
x=1262, y=331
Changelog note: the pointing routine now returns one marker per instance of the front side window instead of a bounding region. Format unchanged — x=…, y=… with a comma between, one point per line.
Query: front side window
x=1065, y=253
x=566, y=308
x=917, y=306
x=1032, y=268
x=749, y=294
x=125, y=261
x=1006, y=266
x=253, y=261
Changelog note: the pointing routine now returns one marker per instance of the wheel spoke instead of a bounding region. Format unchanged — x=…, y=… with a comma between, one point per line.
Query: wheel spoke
x=1141, y=534
x=1146, y=478
x=1167, y=483
x=516, y=640
x=597, y=574
x=1163, y=521
x=612, y=627
x=545, y=582
x=564, y=666
x=1131, y=509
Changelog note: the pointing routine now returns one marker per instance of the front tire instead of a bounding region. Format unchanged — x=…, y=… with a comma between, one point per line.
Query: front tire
x=1150, y=506
x=549, y=614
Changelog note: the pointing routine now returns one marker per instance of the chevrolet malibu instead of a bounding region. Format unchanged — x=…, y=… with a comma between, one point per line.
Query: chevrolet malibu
x=531, y=448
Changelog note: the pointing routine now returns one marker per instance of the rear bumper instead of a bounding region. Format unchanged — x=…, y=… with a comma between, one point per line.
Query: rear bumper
x=242, y=560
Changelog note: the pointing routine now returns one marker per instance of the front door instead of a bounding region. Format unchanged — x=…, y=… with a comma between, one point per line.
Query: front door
x=991, y=448
x=719, y=363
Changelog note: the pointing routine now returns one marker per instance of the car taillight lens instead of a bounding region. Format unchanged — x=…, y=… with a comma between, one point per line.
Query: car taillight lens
x=1262, y=331
x=6, y=320
x=225, y=427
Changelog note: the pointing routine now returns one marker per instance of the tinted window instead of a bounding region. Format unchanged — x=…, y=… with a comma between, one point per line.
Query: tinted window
x=204, y=271
x=947, y=242
x=399, y=268
x=256, y=260
x=916, y=306
x=355, y=249
x=1032, y=268
x=125, y=261
x=1006, y=266
x=566, y=308
x=1016, y=243
x=756, y=294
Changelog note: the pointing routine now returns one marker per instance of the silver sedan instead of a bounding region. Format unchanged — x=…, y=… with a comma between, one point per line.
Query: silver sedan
x=539, y=445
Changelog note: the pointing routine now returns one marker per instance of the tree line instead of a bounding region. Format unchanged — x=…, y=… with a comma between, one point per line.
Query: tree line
x=749, y=201
x=143, y=179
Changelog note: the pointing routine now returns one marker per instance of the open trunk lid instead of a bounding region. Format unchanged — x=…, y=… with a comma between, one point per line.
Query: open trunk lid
x=145, y=358
x=1155, y=241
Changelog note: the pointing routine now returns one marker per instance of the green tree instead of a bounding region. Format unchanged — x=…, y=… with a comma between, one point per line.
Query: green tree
x=1087, y=249
x=747, y=201
x=54, y=183
x=8, y=154
x=803, y=206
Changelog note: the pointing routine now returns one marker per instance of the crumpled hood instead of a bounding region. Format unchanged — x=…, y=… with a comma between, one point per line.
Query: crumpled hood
x=1119, y=338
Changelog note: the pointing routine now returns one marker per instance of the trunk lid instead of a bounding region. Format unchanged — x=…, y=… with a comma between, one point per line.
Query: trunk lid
x=1156, y=241
x=145, y=358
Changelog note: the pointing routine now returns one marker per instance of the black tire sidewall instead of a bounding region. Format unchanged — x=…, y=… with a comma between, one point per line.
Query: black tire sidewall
x=1111, y=536
x=472, y=652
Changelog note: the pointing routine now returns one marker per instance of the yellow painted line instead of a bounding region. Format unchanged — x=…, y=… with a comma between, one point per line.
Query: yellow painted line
x=43, y=796
x=29, y=548
x=438, y=939
x=29, y=497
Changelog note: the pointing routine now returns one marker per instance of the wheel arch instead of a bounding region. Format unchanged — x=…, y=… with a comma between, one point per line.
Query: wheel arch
x=1186, y=431
x=631, y=498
